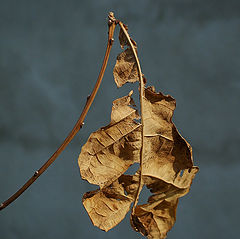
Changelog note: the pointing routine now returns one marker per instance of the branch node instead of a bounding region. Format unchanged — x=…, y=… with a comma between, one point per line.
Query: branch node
x=111, y=41
x=36, y=173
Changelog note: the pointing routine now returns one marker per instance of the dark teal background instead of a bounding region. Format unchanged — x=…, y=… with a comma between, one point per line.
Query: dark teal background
x=50, y=56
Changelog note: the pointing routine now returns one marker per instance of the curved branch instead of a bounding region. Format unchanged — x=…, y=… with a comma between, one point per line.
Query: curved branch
x=141, y=83
x=111, y=24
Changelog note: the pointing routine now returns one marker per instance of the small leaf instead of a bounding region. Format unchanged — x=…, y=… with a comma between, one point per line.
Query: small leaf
x=155, y=222
x=123, y=39
x=107, y=207
x=125, y=69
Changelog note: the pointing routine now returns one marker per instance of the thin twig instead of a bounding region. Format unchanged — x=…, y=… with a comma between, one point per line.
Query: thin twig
x=78, y=125
x=141, y=83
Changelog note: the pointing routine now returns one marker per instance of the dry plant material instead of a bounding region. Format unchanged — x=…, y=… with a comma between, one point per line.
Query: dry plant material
x=164, y=156
x=125, y=69
x=111, y=150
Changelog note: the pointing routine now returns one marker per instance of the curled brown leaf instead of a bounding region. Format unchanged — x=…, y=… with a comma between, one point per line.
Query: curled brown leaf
x=155, y=218
x=107, y=207
x=165, y=157
x=167, y=169
x=111, y=150
x=123, y=39
x=125, y=69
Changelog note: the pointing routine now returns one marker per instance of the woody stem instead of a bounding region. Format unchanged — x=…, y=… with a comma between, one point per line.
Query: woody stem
x=111, y=27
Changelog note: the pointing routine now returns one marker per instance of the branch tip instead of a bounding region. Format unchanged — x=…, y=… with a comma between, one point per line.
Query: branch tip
x=111, y=17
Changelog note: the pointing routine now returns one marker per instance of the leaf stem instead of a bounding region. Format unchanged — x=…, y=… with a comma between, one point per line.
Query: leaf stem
x=111, y=27
x=141, y=83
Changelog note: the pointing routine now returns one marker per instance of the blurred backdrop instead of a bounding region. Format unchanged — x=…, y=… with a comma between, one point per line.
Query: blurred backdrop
x=50, y=56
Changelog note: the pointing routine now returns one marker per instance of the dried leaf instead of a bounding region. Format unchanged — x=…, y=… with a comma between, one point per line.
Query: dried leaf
x=166, y=167
x=158, y=216
x=111, y=150
x=108, y=153
x=155, y=223
x=125, y=69
x=123, y=39
x=166, y=152
x=166, y=155
x=107, y=207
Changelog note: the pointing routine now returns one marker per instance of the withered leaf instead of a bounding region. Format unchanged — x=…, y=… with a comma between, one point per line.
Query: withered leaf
x=111, y=150
x=125, y=69
x=123, y=39
x=155, y=218
x=107, y=207
x=166, y=156
x=166, y=165
x=166, y=151
x=167, y=169
x=155, y=222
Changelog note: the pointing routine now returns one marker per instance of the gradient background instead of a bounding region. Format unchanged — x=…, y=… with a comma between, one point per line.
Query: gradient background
x=50, y=56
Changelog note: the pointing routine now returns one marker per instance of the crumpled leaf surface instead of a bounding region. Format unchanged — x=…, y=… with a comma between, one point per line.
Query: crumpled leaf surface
x=123, y=39
x=111, y=150
x=166, y=152
x=125, y=69
x=167, y=168
x=155, y=218
x=108, y=207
